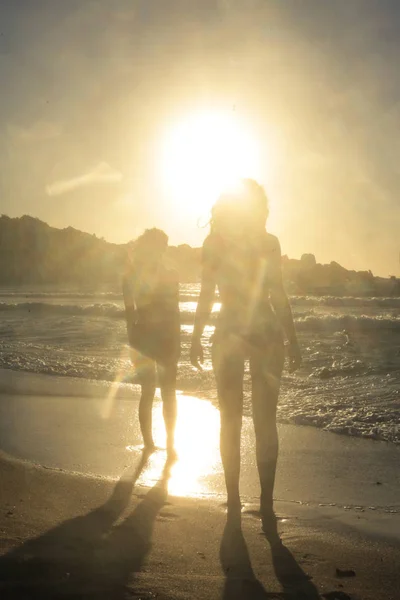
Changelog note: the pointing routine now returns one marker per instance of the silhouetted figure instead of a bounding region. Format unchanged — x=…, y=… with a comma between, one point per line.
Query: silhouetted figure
x=244, y=262
x=151, y=296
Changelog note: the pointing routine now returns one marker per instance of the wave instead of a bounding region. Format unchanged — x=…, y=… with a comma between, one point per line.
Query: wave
x=59, y=294
x=346, y=301
x=304, y=321
x=347, y=323
x=16, y=297
x=190, y=292
x=44, y=308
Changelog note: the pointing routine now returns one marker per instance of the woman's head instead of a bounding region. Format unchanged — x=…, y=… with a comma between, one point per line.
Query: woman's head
x=150, y=246
x=241, y=213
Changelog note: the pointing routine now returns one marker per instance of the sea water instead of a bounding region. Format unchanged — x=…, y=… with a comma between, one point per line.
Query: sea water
x=349, y=382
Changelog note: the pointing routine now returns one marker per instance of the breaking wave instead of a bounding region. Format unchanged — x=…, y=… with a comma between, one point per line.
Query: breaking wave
x=304, y=321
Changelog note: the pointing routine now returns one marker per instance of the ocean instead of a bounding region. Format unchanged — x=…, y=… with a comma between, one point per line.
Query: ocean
x=349, y=382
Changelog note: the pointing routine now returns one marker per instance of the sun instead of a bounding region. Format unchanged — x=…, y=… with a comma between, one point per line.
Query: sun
x=205, y=153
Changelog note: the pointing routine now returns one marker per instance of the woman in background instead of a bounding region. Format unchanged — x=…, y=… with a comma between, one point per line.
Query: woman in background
x=244, y=262
x=151, y=296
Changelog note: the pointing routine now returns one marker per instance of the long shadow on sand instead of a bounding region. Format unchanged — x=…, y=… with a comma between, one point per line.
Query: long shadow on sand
x=294, y=581
x=241, y=582
x=88, y=556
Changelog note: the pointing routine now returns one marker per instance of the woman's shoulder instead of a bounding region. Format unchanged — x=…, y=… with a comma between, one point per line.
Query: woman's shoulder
x=212, y=239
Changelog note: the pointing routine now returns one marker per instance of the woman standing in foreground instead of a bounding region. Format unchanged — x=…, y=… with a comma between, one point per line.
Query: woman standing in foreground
x=151, y=296
x=244, y=262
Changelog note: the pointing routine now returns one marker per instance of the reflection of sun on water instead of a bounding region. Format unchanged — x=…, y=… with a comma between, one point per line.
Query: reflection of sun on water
x=197, y=445
x=204, y=154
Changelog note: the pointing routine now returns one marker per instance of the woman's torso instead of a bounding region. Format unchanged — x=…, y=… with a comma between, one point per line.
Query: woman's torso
x=243, y=274
x=154, y=293
x=152, y=300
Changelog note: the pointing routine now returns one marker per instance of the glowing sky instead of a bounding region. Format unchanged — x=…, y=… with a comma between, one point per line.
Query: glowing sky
x=89, y=87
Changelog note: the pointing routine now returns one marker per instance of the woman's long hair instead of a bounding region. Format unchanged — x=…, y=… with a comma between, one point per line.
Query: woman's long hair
x=241, y=214
x=148, y=247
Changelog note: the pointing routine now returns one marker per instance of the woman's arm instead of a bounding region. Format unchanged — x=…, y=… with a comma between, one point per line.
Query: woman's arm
x=205, y=303
x=204, y=308
x=281, y=305
x=129, y=299
x=173, y=281
x=172, y=300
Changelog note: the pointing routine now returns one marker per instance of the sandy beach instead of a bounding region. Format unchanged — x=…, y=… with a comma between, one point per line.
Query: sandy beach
x=82, y=517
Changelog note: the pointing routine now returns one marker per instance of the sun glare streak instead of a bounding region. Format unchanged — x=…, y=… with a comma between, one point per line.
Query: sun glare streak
x=123, y=375
x=204, y=154
x=256, y=290
x=101, y=173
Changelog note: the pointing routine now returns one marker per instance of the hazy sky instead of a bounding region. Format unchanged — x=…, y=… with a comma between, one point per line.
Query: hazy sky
x=89, y=86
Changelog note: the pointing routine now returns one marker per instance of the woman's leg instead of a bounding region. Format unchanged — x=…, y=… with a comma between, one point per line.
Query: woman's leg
x=146, y=375
x=167, y=378
x=228, y=364
x=266, y=366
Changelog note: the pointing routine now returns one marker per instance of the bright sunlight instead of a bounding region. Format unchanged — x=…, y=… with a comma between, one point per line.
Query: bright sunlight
x=204, y=154
x=198, y=459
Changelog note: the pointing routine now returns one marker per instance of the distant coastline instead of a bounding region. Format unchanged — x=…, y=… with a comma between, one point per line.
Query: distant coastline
x=33, y=252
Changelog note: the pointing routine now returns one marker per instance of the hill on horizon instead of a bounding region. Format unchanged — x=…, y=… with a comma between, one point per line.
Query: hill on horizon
x=33, y=252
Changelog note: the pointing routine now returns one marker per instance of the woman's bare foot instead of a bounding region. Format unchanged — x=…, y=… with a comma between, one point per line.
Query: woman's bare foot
x=269, y=526
x=149, y=447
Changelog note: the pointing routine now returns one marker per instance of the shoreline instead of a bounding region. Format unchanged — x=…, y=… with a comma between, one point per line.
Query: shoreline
x=375, y=522
x=101, y=436
x=57, y=386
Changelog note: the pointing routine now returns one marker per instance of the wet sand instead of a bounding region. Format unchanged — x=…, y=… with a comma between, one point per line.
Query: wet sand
x=99, y=436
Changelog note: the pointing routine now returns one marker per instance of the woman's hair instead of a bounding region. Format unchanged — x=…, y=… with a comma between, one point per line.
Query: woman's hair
x=151, y=243
x=151, y=238
x=242, y=212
